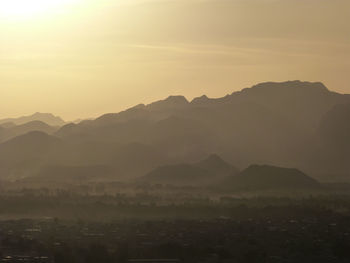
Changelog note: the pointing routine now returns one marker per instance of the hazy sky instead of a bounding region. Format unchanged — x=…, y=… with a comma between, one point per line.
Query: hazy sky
x=85, y=58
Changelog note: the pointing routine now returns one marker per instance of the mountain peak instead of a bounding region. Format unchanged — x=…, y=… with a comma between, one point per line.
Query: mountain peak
x=294, y=84
x=215, y=163
x=200, y=100
x=213, y=158
x=48, y=118
x=139, y=106
x=170, y=102
x=177, y=99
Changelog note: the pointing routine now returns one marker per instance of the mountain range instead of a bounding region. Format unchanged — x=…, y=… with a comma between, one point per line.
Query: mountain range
x=9, y=130
x=44, y=122
x=288, y=124
x=210, y=170
x=263, y=177
x=48, y=118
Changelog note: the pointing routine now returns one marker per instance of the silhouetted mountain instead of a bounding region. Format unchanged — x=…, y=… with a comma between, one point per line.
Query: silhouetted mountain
x=289, y=124
x=39, y=150
x=126, y=160
x=22, y=155
x=171, y=103
x=12, y=131
x=48, y=118
x=202, y=100
x=211, y=170
x=300, y=102
x=260, y=177
x=268, y=123
x=31, y=143
x=216, y=165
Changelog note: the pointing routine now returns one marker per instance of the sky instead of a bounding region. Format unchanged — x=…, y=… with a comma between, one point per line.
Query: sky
x=84, y=58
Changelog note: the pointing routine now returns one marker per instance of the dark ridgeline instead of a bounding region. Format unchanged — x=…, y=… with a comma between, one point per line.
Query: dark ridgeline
x=44, y=122
x=216, y=165
x=48, y=118
x=277, y=123
x=289, y=124
x=215, y=173
x=261, y=177
x=206, y=172
x=10, y=130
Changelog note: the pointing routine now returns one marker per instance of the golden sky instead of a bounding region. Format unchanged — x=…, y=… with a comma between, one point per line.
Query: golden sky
x=83, y=58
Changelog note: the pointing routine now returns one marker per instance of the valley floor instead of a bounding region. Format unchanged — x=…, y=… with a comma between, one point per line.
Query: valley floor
x=67, y=227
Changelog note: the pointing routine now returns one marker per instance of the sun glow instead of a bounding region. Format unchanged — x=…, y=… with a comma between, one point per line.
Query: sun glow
x=23, y=9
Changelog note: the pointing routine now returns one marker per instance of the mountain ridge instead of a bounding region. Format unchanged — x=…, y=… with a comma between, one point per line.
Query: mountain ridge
x=262, y=177
x=48, y=118
x=210, y=170
x=11, y=131
x=276, y=123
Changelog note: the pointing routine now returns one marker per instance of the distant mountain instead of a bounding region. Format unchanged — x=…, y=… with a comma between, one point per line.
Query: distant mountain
x=24, y=154
x=48, y=118
x=262, y=177
x=37, y=154
x=288, y=124
x=30, y=145
x=11, y=131
x=211, y=170
x=268, y=123
x=217, y=166
x=171, y=103
x=301, y=102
